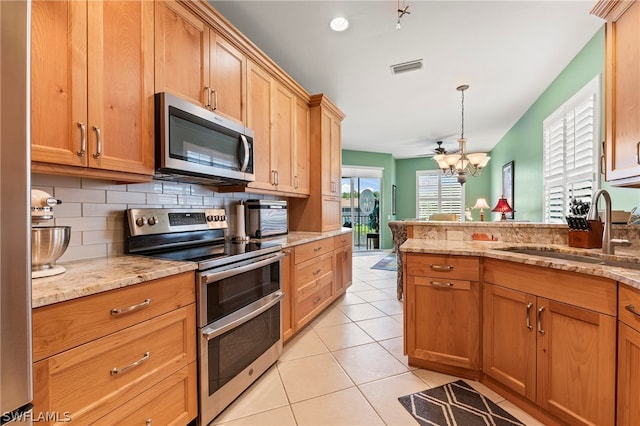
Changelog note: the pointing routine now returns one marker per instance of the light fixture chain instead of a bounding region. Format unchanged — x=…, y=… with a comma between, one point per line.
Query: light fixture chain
x=462, y=133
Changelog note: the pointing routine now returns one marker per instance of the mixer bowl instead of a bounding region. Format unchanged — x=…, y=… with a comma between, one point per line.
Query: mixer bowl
x=48, y=243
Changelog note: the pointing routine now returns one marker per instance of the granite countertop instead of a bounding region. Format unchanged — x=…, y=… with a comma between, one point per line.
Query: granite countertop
x=496, y=250
x=90, y=276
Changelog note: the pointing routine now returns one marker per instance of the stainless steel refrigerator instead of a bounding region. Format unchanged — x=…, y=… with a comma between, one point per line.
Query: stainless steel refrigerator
x=15, y=224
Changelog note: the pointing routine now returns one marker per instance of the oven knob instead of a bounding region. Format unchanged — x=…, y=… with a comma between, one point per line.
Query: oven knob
x=140, y=221
x=223, y=217
x=152, y=220
x=216, y=218
x=210, y=218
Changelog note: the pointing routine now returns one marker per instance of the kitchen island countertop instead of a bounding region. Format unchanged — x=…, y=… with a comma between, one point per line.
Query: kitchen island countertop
x=496, y=250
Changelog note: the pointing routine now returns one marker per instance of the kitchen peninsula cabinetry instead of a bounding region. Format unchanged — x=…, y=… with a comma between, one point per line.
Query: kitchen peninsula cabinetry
x=622, y=144
x=122, y=354
x=343, y=254
x=92, y=89
x=322, y=210
x=550, y=337
x=442, y=313
x=628, y=408
x=314, y=278
x=195, y=62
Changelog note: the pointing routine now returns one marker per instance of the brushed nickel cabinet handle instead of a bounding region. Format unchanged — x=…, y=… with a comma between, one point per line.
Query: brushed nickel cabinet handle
x=98, y=142
x=317, y=271
x=317, y=248
x=540, y=330
x=632, y=309
x=638, y=152
x=120, y=311
x=441, y=267
x=273, y=177
x=296, y=183
x=441, y=284
x=83, y=139
x=207, y=102
x=215, y=99
x=529, y=326
x=317, y=299
x=116, y=371
x=277, y=178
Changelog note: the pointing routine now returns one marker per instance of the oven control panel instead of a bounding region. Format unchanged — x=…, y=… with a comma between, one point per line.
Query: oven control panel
x=163, y=221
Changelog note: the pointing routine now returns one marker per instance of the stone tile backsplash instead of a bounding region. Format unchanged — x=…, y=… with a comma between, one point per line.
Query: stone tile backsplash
x=95, y=209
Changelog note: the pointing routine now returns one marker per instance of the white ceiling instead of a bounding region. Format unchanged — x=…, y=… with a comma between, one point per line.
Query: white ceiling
x=508, y=52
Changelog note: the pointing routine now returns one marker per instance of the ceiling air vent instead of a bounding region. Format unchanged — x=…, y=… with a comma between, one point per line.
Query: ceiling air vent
x=406, y=66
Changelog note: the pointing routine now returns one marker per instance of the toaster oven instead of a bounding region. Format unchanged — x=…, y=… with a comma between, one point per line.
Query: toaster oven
x=265, y=218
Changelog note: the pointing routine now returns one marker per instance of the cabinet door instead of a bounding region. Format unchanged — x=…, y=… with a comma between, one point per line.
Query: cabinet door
x=283, y=137
x=181, y=52
x=326, y=152
x=442, y=322
x=58, y=82
x=228, y=67
x=120, y=94
x=623, y=95
x=301, y=173
x=343, y=264
x=259, y=120
x=576, y=363
x=336, y=156
x=286, y=272
x=628, y=375
x=509, y=322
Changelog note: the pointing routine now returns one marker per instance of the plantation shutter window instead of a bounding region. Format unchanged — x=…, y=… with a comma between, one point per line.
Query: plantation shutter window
x=437, y=193
x=570, y=152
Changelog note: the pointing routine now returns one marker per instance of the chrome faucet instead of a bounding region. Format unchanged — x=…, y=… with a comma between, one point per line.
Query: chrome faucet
x=608, y=243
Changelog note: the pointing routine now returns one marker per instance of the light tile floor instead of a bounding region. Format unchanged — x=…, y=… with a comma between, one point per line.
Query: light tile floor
x=347, y=366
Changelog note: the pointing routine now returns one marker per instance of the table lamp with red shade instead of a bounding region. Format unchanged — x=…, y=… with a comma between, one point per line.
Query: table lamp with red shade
x=503, y=207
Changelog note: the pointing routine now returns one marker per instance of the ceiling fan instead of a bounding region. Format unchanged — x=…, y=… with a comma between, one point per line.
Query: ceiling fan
x=442, y=147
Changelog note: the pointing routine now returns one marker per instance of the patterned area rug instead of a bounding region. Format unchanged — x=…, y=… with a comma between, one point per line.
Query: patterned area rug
x=387, y=263
x=455, y=403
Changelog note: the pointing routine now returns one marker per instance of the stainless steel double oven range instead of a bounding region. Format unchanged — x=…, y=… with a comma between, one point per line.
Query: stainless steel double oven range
x=238, y=296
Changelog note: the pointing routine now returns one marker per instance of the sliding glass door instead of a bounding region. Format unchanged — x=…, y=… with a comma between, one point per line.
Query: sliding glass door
x=361, y=210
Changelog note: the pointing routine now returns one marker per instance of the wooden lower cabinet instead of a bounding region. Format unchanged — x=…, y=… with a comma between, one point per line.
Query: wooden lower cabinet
x=135, y=357
x=343, y=255
x=442, y=313
x=628, y=404
x=314, y=275
x=552, y=344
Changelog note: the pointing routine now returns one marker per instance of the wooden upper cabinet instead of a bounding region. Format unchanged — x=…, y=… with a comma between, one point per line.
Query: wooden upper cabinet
x=259, y=120
x=92, y=85
x=283, y=147
x=622, y=146
x=227, y=78
x=181, y=52
x=195, y=62
x=301, y=175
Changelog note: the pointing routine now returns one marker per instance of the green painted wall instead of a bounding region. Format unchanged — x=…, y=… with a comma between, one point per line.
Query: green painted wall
x=523, y=142
x=388, y=164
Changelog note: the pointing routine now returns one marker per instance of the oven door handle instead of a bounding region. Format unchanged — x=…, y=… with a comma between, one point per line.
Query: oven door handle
x=211, y=332
x=206, y=278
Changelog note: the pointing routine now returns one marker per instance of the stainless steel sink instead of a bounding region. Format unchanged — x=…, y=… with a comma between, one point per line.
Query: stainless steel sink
x=594, y=260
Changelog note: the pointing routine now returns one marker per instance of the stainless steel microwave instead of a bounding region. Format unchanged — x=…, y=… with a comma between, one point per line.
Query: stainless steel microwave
x=192, y=141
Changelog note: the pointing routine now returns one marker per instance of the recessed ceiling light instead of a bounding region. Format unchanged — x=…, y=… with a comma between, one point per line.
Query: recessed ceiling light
x=339, y=24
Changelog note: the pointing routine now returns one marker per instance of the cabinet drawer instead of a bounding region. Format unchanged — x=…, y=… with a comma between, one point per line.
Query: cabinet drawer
x=342, y=240
x=442, y=283
x=91, y=380
x=308, y=251
x=173, y=401
x=443, y=266
x=316, y=298
x=62, y=326
x=313, y=269
x=629, y=306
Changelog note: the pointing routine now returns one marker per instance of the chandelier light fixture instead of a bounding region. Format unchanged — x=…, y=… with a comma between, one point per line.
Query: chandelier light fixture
x=462, y=162
x=404, y=10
